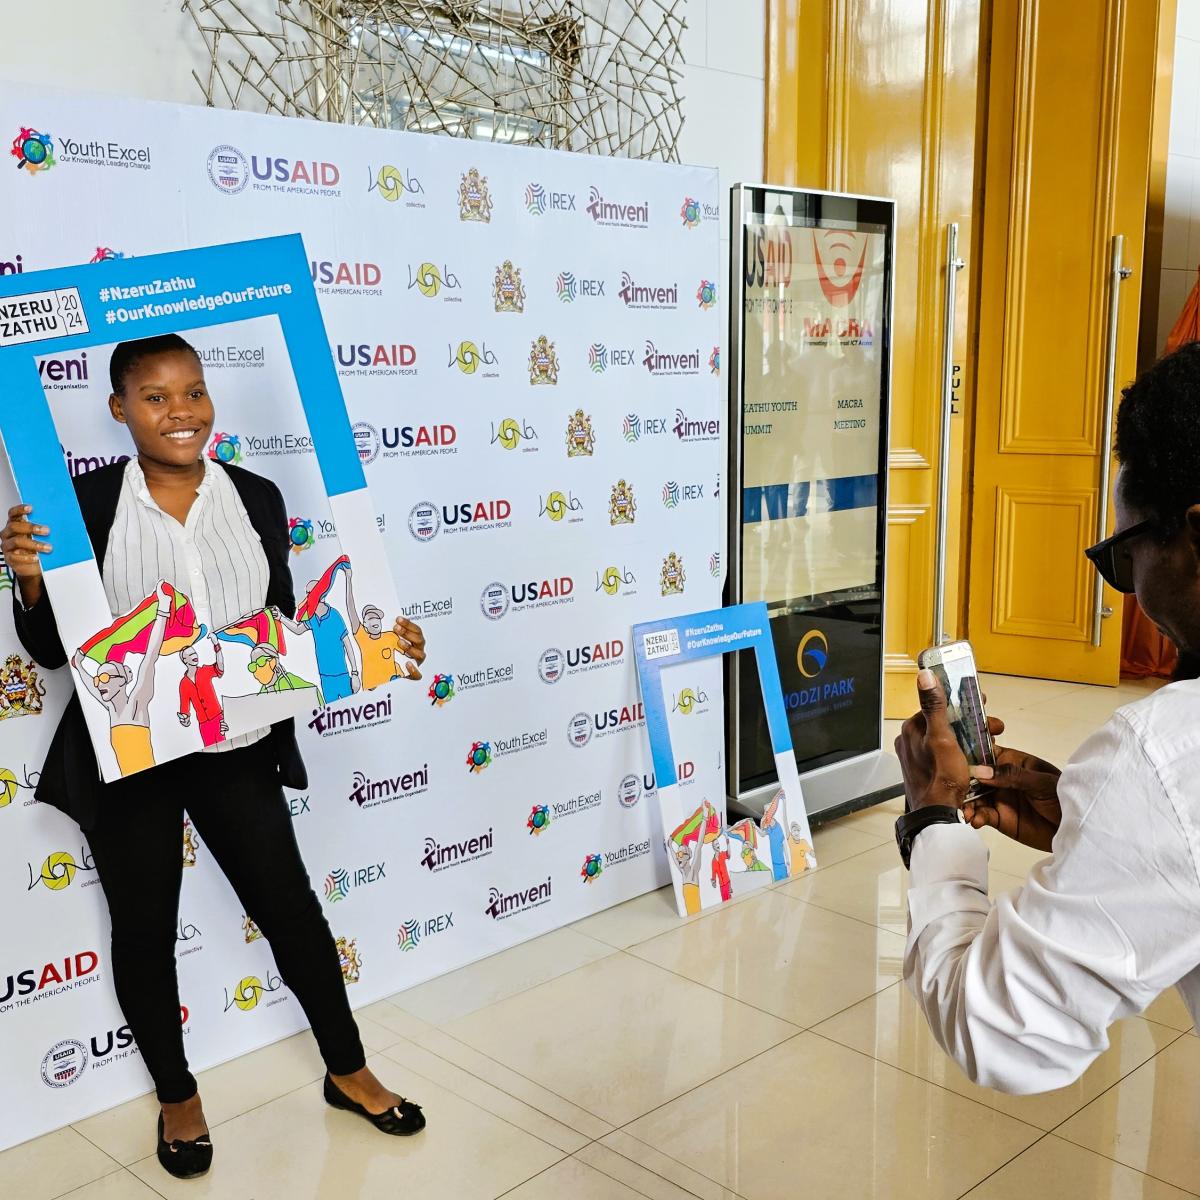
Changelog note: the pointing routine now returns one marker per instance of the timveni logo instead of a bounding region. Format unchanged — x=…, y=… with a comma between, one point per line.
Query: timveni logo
x=329, y=722
x=441, y=856
x=502, y=905
x=637, y=295
x=618, y=213
x=370, y=793
x=658, y=362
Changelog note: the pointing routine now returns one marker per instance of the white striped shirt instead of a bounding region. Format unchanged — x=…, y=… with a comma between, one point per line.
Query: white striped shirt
x=215, y=557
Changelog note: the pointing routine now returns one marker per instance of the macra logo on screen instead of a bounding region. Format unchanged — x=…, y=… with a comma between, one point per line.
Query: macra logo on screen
x=841, y=257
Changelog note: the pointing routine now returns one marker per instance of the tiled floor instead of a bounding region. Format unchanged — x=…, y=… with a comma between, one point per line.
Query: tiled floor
x=636, y=1056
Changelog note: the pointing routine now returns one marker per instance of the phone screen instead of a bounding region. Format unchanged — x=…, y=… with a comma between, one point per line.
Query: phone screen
x=954, y=667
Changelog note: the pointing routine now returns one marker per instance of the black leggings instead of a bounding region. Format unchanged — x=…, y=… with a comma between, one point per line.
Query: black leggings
x=238, y=808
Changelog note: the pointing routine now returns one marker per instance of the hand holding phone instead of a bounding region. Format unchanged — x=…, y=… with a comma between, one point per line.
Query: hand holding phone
x=953, y=665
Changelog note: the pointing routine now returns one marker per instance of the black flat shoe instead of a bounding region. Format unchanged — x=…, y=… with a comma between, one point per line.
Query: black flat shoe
x=403, y=1120
x=184, y=1160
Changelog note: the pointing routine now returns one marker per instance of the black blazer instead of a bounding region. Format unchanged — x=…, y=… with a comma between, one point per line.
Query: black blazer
x=70, y=778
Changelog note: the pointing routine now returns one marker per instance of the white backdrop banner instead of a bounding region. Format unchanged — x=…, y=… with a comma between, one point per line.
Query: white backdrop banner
x=528, y=345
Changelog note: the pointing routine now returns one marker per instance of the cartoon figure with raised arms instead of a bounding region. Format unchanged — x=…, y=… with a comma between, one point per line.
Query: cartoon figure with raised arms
x=162, y=623
x=198, y=693
x=720, y=868
x=686, y=845
x=772, y=826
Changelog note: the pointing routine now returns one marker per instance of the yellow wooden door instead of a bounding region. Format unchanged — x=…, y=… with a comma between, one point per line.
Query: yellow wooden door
x=1069, y=108
x=881, y=99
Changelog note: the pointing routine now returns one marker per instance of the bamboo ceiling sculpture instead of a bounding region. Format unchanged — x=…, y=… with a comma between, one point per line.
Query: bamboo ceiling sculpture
x=598, y=76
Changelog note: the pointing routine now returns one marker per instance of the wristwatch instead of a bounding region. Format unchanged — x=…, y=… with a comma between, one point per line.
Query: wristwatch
x=909, y=825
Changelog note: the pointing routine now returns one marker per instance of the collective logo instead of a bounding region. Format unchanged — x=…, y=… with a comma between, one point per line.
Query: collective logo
x=371, y=793
x=64, y=1063
x=614, y=581
x=105, y=254
x=637, y=295
x=392, y=184
x=441, y=856
x=12, y=266
x=714, y=361
x=50, y=979
x=543, y=362
x=539, y=819
x=339, y=883
x=617, y=213
x=706, y=294
x=59, y=870
x=187, y=932
x=300, y=535
x=687, y=429
x=659, y=362
x=225, y=448
x=558, y=506
x=812, y=654
x=502, y=905
x=228, y=170
x=479, y=757
x=33, y=151
x=441, y=690
x=622, y=507
x=340, y=278
x=379, y=359
x=841, y=256
x=598, y=357
x=592, y=869
x=508, y=292
x=512, y=433
x=10, y=785
x=349, y=959
x=539, y=201
x=470, y=358
x=474, y=203
x=581, y=440
x=690, y=702
x=671, y=578
x=431, y=280
x=411, y=933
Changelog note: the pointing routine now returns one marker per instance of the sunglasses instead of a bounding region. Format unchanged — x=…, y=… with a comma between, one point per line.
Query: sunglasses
x=258, y=664
x=1112, y=557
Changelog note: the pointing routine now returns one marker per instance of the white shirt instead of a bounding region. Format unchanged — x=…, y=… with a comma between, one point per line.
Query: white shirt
x=1021, y=993
x=215, y=558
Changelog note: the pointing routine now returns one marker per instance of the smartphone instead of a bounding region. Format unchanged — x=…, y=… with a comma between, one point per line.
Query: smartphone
x=954, y=666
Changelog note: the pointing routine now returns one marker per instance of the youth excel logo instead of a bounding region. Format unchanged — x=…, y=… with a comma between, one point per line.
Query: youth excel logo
x=105, y=254
x=592, y=869
x=706, y=294
x=300, y=535
x=690, y=213
x=539, y=820
x=479, y=757
x=33, y=151
x=225, y=448
x=840, y=256
x=812, y=654
x=441, y=691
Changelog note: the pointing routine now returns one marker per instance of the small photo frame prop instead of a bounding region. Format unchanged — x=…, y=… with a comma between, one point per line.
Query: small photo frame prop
x=156, y=680
x=711, y=859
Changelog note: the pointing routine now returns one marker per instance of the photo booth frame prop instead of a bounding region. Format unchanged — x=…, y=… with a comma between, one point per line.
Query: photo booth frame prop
x=779, y=846
x=69, y=309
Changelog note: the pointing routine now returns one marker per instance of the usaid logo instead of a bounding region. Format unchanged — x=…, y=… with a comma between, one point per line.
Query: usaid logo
x=347, y=278
x=228, y=170
x=554, y=663
x=378, y=359
x=498, y=598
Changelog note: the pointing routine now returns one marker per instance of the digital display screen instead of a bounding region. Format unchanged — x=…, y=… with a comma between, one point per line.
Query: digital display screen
x=815, y=300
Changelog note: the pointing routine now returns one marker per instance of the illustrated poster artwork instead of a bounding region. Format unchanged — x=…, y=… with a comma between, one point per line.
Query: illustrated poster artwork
x=713, y=857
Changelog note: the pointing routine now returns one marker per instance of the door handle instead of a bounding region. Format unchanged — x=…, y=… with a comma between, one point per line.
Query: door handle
x=1117, y=275
x=954, y=264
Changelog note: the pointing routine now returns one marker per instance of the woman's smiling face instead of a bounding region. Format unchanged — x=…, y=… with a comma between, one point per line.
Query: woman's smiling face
x=165, y=403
